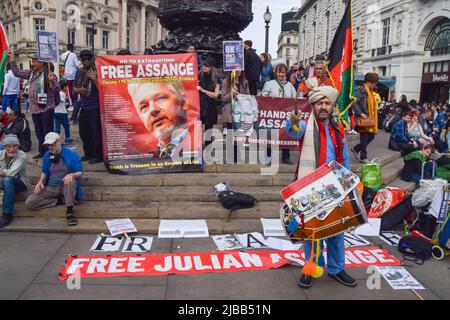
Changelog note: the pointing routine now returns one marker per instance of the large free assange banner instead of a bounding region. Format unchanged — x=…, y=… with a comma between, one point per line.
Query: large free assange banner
x=150, y=113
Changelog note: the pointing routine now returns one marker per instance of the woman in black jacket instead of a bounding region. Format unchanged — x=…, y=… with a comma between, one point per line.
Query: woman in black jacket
x=19, y=126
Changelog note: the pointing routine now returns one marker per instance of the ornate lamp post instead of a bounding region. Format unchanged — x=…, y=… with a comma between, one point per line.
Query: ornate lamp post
x=267, y=18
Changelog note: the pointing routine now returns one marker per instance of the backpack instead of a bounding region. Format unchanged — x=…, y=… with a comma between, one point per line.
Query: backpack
x=414, y=249
x=234, y=201
x=390, y=123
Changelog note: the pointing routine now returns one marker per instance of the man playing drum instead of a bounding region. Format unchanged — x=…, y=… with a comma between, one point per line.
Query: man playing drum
x=322, y=130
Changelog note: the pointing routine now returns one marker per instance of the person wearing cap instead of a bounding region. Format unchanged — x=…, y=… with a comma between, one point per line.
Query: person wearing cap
x=86, y=85
x=59, y=179
x=13, y=175
x=19, y=126
x=42, y=89
x=323, y=141
x=209, y=88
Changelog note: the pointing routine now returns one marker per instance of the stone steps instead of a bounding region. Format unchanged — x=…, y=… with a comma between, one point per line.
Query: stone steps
x=153, y=210
x=144, y=226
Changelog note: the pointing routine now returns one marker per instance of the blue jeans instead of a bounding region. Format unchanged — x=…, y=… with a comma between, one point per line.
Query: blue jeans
x=10, y=186
x=76, y=111
x=62, y=118
x=10, y=99
x=335, y=254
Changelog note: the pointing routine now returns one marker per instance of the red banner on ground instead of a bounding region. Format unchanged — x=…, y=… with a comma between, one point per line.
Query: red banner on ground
x=208, y=262
x=150, y=113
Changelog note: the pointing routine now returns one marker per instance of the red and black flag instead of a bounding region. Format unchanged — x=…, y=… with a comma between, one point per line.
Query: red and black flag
x=340, y=64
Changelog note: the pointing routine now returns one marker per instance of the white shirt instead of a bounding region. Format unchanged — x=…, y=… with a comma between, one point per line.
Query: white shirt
x=275, y=90
x=11, y=85
x=61, y=107
x=71, y=66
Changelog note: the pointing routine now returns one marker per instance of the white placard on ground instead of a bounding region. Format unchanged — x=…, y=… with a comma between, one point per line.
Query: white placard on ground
x=272, y=228
x=227, y=242
x=282, y=245
x=183, y=229
x=399, y=278
x=253, y=240
x=370, y=229
x=391, y=238
x=120, y=226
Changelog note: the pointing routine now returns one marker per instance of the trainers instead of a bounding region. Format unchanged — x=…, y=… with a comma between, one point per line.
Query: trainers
x=355, y=154
x=305, y=282
x=38, y=156
x=344, y=279
x=85, y=159
x=352, y=132
x=6, y=220
x=364, y=161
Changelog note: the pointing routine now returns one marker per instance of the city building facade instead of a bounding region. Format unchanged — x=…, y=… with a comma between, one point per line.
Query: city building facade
x=103, y=25
x=288, y=39
x=409, y=41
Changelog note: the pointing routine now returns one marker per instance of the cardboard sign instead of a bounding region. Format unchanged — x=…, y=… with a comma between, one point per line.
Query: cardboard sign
x=47, y=46
x=391, y=238
x=227, y=242
x=273, y=228
x=113, y=244
x=183, y=229
x=370, y=229
x=399, y=278
x=208, y=262
x=233, y=56
x=120, y=226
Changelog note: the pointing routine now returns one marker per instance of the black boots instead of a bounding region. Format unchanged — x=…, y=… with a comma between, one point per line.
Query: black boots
x=6, y=220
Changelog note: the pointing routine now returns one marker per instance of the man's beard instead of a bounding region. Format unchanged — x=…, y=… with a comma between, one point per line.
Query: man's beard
x=323, y=118
x=167, y=133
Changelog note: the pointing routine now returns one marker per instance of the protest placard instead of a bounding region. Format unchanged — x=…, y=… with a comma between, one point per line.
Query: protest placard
x=47, y=46
x=137, y=140
x=120, y=226
x=233, y=56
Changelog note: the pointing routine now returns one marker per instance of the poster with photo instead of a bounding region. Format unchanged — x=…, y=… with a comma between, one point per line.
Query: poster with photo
x=150, y=113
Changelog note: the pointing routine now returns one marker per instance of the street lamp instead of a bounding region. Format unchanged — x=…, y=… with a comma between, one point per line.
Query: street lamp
x=267, y=18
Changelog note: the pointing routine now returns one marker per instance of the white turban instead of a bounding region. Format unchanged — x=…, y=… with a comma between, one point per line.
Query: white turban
x=319, y=93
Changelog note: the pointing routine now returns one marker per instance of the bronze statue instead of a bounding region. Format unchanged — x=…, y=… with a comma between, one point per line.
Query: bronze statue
x=204, y=23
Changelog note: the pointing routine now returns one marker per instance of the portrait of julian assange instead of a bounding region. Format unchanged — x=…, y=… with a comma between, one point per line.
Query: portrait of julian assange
x=168, y=117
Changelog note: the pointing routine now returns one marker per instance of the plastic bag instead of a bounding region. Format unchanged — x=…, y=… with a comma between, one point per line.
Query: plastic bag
x=385, y=200
x=371, y=174
x=427, y=192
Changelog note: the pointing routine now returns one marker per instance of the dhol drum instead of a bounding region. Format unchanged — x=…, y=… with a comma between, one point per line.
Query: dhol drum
x=350, y=214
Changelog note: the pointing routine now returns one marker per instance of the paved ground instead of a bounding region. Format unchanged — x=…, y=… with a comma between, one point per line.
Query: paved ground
x=29, y=265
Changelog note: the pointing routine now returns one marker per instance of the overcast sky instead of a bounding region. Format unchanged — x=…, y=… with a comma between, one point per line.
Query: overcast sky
x=256, y=30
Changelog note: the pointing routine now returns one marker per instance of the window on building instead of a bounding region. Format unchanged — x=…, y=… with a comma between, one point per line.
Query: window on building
x=288, y=52
x=106, y=2
x=105, y=40
x=89, y=37
x=426, y=68
x=71, y=35
x=39, y=25
x=14, y=33
x=445, y=66
x=432, y=67
x=314, y=40
x=386, y=23
x=438, y=41
x=438, y=67
x=38, y=6
x=288, y=40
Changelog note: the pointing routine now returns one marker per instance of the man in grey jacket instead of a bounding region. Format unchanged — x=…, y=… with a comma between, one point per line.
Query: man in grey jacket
x=13, y=175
